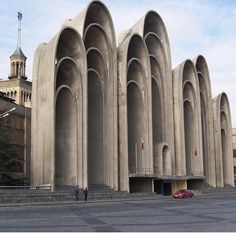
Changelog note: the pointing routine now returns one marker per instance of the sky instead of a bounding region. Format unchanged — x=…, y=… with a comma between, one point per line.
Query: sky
x=194, y=27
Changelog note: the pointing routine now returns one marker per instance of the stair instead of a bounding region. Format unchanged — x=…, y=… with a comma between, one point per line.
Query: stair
x=217, y=190
x=95, y=192
x=35, y=195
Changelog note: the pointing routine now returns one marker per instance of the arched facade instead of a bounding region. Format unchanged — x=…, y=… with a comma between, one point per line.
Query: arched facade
x=152, y=28
x=59, y=149
x=120, y=117
x=206, y=119
x=98, y=34
x=134, y=102
x=223, y=141
x=162, y=160
x=188, y=140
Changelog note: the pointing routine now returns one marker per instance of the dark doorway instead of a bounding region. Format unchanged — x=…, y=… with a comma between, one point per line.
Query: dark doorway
x=158, y=186
x=162, y=187
x=166, y=188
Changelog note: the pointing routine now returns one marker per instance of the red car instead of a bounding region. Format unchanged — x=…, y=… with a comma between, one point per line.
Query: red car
x=183, y=193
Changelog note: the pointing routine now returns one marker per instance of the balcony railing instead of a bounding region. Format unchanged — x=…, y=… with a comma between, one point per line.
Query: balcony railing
x=137, y=172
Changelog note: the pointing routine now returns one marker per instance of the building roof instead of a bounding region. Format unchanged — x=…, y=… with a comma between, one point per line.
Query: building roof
x=18, y=52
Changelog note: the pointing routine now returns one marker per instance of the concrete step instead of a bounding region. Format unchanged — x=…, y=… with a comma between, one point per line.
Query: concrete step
x=225, y=189
x=27, y=196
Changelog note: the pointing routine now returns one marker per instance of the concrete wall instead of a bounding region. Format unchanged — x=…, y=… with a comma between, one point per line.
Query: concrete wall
x=223, y=141
x=206, y=119
x=96, y=28
x=54, y=63
x=152, y=28
x=188, y=141
x=135, y=136
x=102, y=115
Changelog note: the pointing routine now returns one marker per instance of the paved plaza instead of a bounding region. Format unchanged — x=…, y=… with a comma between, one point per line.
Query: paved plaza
x=202, y=213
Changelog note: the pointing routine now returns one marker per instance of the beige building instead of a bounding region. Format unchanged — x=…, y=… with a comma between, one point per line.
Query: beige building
x=17, y=87
x=121, y=116
x=15, y=93
x=18, y=127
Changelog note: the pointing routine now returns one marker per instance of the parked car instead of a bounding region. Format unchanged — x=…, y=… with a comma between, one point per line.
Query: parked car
x=183, y=193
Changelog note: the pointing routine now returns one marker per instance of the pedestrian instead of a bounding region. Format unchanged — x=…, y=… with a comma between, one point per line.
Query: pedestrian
x=77, y=193
x=85, y=194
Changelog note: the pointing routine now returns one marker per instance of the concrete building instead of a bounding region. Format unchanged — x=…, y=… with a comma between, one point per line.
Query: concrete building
x=120, y=116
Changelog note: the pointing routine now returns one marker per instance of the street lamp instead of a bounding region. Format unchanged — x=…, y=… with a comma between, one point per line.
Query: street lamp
x=5, y=114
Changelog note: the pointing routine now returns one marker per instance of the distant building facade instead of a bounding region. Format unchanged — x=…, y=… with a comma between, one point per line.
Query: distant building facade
x=16, y=93
x=234, y=151
x=121, y=117
x=18, y=127
x=17, y=87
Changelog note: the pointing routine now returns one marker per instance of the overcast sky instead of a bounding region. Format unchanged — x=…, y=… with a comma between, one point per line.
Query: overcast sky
x=206, y=27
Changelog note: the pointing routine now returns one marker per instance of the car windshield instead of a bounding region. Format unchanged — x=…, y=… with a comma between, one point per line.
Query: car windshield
x=181, y=191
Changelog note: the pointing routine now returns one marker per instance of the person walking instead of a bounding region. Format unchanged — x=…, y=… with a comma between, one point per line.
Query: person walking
x=77, y=193
x=85, y=194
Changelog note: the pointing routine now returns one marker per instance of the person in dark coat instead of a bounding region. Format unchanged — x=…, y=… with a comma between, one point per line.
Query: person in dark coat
x=77, y=193
x=85, y=194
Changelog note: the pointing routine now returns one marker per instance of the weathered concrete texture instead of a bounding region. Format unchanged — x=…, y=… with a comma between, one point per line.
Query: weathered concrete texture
x=206, y=120
x=120, y=117
x=135, y=109
x=223, y=141
x=79, y=78
x=96, y=28
x=59, y=150
x=188, y=142
x=152, y=28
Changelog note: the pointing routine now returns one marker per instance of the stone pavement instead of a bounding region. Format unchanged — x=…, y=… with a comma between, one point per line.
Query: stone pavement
x=202, y=213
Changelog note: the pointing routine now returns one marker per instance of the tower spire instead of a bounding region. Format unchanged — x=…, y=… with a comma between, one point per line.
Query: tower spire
x=19, y=16
x=18, y=59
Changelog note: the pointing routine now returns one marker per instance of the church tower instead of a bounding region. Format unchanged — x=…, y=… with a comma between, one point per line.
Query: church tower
x=18, y=59
x=17, y=87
